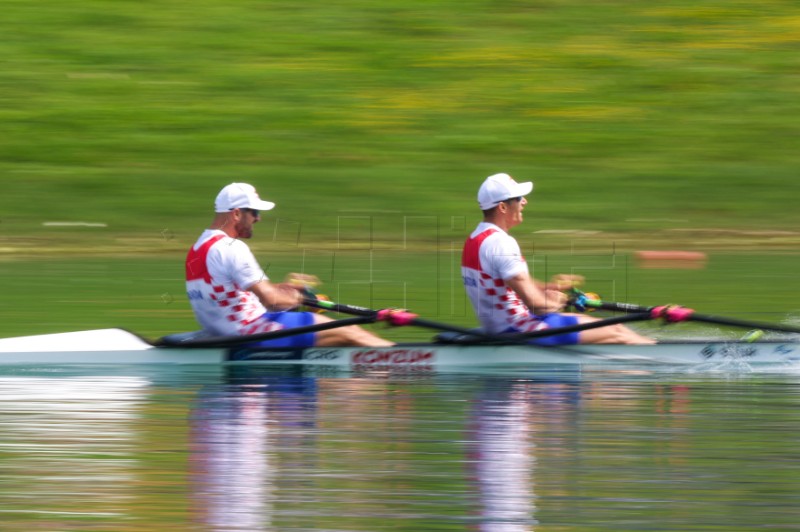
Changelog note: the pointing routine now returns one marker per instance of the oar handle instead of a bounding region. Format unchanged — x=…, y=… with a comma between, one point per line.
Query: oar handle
x=674, y=313
x=582, y=301
x=392, y=316
x=310, y=301
x=670, y=313
x=621, y=307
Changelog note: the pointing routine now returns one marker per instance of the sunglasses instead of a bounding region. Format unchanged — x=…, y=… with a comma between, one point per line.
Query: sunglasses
x=255, y=212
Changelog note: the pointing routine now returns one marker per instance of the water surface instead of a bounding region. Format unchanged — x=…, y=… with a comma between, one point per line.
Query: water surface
x=192, y=448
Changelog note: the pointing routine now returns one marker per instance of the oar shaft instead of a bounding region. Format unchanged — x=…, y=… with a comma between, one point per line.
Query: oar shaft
x=718, y=320
x=689, y=315
x=461, y=330
x=338, y=307
x=639, y=316
x=478, y=335
x=409, y=319
x=233, y=341
x=621, y=307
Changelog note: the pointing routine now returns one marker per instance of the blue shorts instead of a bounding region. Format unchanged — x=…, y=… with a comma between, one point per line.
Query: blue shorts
x=289, y=320
x=553, y=321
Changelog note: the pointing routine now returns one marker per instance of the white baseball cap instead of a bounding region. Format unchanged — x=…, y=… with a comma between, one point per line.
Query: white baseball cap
x=240, y=196
x=500, y=187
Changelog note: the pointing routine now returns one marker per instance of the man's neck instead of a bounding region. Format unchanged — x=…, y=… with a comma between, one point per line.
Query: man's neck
x=223, y=222
x=499, y=221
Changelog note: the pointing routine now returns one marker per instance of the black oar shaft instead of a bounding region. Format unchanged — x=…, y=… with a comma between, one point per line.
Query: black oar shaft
x=622, y=307
x=718, y=320
x=693, y=316
x=494, y=338
x=639, y=316
x=232, y=341
x=375, y=315
x=338, y=307
x=478, y=335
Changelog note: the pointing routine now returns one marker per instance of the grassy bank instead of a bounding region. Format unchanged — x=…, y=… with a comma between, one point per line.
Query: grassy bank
x=631, y=118
x=147, y=295
x=644, y=125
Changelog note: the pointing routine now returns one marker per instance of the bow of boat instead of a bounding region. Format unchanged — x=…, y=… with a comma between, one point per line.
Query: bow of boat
x=78, y=341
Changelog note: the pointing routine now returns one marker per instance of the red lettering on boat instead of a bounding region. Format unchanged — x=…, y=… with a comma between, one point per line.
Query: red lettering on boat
x=392, y=357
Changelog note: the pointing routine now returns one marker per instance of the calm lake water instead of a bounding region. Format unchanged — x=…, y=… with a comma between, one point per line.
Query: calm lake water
x=150, y=448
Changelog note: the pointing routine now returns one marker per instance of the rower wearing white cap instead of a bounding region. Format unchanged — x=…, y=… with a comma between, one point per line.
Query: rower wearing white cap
x=506, y=299
x=231, y=295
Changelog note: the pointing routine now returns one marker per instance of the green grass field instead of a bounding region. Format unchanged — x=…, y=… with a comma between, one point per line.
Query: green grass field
x=146, y=294
x=653, y=125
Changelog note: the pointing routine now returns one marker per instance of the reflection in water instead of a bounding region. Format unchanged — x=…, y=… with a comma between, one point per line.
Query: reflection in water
x=68, y=437
x=378, y=451
x=236, y=431
x=504, y=459
x=230, y=460
x=510, y=419
x=257, y=457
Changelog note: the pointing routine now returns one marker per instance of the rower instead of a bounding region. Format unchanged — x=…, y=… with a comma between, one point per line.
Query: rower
x=231, y=295
x=506, y=299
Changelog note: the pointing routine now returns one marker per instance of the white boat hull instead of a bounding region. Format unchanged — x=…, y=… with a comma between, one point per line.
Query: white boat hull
x=117, y=346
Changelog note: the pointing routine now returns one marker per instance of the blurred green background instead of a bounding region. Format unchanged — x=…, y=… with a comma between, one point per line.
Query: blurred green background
x=645, y=125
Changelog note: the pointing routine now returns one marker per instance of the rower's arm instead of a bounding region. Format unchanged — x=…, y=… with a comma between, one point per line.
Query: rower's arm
x=279, y=296
x=537, y=300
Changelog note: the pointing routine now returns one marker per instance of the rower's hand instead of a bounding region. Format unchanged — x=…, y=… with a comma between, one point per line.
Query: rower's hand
x=565, y=281
x=303, y=280
x=277, y=297
x=288, y=296
x=554, y=301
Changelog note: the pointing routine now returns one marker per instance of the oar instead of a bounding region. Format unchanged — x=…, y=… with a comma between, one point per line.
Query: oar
x=627, y=318
x=233, y=341
x=403, y=317
x=674, y=314
x=396, y=317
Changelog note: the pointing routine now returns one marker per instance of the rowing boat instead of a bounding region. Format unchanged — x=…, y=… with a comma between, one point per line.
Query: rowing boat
x=118, y=346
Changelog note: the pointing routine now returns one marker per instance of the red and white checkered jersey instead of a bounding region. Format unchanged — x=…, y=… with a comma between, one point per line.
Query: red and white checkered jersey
x=491, y=256
x=219, y=269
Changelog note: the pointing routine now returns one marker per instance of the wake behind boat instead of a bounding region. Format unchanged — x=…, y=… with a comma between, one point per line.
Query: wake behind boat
x=118, y=346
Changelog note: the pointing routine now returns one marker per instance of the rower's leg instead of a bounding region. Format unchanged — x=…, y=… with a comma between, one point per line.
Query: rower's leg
x=349, y=335
x=612, y=334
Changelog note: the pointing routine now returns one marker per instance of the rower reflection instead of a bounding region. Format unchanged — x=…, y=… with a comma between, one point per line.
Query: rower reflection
x=511, y=420
x=325, y=452
x=237, y=428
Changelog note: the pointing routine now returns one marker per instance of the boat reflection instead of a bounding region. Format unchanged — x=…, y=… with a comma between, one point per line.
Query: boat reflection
x=512, y=422
x=68, y=435
x=265, y=440
x=237, y=428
